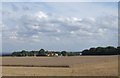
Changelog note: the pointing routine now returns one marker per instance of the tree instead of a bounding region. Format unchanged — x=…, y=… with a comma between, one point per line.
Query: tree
x=24, y=53
x=15, y=54
x=41, y=52
x=64, y=53
x=118, y=49
x=111, y=50
x=85, y=52
x=101, y=51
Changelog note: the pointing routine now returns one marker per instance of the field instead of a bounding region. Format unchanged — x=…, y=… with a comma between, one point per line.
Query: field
x=60, y=66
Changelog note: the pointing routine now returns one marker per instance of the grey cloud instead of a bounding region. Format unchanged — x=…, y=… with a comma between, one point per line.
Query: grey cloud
x=53, y=26
x=108, y=22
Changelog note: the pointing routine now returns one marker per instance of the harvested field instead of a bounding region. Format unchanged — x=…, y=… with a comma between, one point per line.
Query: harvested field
x=60, y=66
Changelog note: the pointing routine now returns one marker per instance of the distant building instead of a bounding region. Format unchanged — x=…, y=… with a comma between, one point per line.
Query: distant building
x=56, y=54
x=80, y=54
x=52, y=54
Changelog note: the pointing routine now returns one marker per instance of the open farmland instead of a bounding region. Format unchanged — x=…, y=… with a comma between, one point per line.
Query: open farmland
x=60, y=66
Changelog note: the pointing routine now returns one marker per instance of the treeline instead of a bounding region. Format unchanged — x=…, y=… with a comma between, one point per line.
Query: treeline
x=102, y=51
x=42, y=52
x=92, y=51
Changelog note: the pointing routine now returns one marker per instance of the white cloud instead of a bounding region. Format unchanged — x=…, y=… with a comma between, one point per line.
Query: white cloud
x=35, y=36
x=41, y=15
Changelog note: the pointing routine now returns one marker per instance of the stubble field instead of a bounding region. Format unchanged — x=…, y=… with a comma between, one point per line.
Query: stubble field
x=60, y=66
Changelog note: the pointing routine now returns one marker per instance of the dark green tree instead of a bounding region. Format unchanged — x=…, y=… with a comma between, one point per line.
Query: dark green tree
x=23, y=53
x=41, y=52
x=64, y=53
x=118, y=50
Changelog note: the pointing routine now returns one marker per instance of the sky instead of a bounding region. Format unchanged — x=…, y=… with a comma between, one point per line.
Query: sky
x=58, y=26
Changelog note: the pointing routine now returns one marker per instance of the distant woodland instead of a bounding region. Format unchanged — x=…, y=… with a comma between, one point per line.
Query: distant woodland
x=110, y=50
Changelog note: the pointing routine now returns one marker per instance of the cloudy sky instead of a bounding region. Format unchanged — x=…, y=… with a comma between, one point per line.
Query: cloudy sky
x=70, y=26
